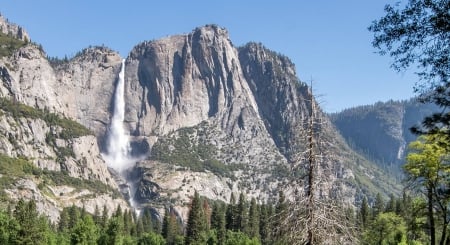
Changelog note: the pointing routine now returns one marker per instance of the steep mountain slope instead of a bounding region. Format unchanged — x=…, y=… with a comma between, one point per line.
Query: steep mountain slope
x=66, y=165
x=220, y=119
x=381, y=131
x=203, y=114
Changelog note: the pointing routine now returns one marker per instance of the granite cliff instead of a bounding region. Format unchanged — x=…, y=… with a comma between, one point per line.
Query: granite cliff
x=387, y=125
x=201, y=114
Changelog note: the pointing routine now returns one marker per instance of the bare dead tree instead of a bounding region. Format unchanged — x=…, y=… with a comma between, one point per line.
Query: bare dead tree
x=314, y=215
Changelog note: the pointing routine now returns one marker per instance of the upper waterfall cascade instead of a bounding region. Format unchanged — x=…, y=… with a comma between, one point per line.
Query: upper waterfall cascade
x=118, y=144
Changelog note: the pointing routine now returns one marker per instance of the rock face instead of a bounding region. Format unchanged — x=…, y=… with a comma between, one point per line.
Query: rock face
x=183, y=80
x=13, y=30
x=387, y=125
x=206, y=115
x=86, y=85
x=79, y=89
x=246, y=106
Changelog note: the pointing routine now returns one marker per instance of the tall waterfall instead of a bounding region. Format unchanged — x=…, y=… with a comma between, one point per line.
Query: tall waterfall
x=118, y=148
x=117, y=144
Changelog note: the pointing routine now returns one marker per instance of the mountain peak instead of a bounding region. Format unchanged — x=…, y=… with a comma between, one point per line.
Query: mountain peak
x=12, y=29
x=211, y=30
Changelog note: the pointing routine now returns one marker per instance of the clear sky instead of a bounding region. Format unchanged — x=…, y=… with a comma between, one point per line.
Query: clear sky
x=327, y=40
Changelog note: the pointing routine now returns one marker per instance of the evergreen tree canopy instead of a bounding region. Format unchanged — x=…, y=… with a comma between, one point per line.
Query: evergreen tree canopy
x=419, y=35
x=196, y=221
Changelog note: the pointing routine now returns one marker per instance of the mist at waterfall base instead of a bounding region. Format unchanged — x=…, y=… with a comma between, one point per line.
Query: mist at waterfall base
x=118, y=148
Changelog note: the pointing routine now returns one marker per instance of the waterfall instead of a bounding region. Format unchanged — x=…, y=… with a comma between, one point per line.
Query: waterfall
x=117, y=154
x=117, y=144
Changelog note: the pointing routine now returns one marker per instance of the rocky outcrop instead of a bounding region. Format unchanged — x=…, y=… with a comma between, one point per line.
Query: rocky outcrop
x=77, y=89
x=197, y=91
x=205, y=115
x=86, y=86
x=13, y=30
x=51, y=201
x=387, y=125
x=183, y=80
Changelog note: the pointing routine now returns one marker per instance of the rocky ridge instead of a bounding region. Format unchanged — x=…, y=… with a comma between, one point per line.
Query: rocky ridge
x=37, y=103
x=208, y=117
x=244, y=107
x=387, y=124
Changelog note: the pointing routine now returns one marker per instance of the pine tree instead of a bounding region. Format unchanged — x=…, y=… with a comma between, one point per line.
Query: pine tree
x=118, y=212
x=241, y=214
x=139, y=227
x=231, y=214
x=147, y=221
x=74, y=216
x=113, y=232
x=378, y=206
x=280, y=215
x=390, y=205
x=84, y=232
x=96, y=215
x=63, y=224
x=165, y=225
x=104, y=218
x=253, y=220
x=170, y=227
x=196, y=221
x=31, y=230
x=8, y=228
x=315, y=215
x=264, y=224
x=364, y=212
x=206, y=213
x=127, y=222
x=218, y=222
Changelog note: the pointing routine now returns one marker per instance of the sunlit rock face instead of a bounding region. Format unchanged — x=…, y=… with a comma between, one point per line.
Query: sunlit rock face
x=199, y=114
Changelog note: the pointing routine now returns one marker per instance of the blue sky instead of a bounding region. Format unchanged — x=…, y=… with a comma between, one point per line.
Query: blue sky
x=327, y=40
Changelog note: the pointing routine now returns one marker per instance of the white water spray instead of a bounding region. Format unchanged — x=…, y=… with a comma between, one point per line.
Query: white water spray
x=118, y=147
x=117, y=144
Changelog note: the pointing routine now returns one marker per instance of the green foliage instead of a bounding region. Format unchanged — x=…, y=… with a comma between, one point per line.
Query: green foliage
x=18, y=167
x=416, y=34
x=428, y=171
x=8, y=228
x=9, y=44
x=239, y=238
x=241, y=213
x=265, y=223
x=85, y=232
x=196, y=225
x=12, y=168
x=253, y=220
x=60, y=178
x=230, y=215
x=147, y=221
x=56, y=61
x=151, y=239
x=218, y=222
x=32, y=227
x=407, y=224
x=170, y=227
x=70, y=128
x=387, y=228
x=113, y=232
x=363, y=213
x=180, y=149
x=378, y=205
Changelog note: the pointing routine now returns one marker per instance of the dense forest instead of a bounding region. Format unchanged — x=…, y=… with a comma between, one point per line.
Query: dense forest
x=395, y=221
